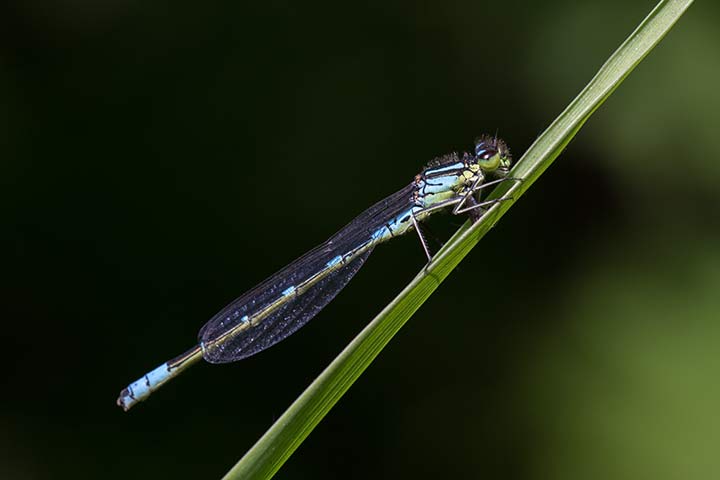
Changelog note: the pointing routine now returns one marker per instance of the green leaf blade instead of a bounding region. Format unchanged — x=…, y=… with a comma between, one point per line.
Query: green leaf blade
x=289, y=431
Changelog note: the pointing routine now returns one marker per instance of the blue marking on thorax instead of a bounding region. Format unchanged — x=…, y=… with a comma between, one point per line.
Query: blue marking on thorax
x=288, y=291
x=455, y=166
x=441, y=184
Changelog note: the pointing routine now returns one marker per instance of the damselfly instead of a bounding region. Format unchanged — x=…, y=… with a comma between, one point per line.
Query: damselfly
x=286, y=301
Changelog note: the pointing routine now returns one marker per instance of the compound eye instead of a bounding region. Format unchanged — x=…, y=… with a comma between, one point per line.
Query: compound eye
x=488, y=158
x=488, y=155
x=484, y=151
x=491, y=154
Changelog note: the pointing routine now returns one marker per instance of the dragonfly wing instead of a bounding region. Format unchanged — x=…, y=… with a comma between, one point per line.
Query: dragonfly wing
x=279, y=324
x=274, y=309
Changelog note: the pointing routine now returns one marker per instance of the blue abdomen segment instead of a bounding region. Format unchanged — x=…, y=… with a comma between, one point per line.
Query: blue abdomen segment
x=397, y=225
x=140, y=389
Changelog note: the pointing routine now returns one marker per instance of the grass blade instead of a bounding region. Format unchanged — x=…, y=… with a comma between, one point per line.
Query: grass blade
x=289, y=431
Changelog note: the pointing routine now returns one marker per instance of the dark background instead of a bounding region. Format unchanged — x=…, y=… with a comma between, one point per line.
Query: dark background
x=157, y=160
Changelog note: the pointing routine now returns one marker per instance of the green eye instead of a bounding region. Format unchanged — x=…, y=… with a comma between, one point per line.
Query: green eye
x=492, y=155
x=490, y=163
